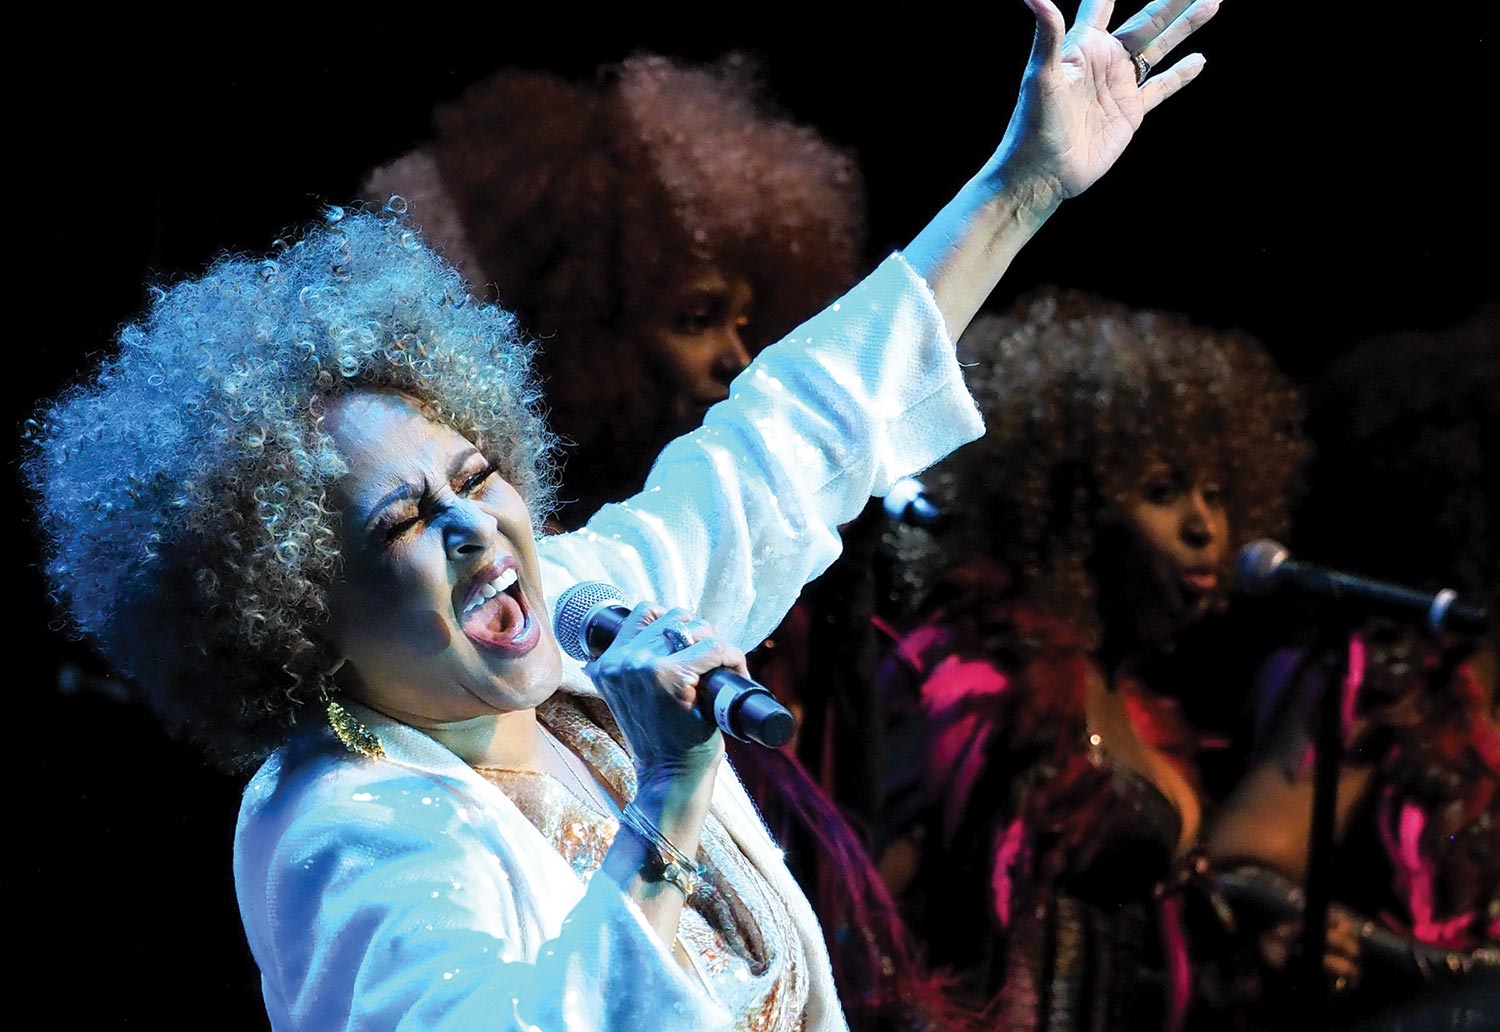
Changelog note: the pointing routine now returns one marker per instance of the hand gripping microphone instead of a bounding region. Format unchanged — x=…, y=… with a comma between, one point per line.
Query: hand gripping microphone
x=589, y=614
x=1265, y=566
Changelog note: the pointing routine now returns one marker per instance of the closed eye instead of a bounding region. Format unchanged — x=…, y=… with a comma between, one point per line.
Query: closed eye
x=475, y=482
x=392, y=531
x=703, y=314
x=1160, y=492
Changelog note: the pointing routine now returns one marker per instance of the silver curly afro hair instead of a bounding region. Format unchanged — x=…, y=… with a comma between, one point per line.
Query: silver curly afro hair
x=182, y=487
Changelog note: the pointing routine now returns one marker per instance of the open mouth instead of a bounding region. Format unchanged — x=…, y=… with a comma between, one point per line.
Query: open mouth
x=495, y=613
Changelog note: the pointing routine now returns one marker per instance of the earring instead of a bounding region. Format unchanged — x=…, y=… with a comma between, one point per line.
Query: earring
x=350, y=730
x=356, y=737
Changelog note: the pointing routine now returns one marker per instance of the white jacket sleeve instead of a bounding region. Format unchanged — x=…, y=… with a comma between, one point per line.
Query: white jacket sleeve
x=390, y=896
x=741, y=513
x=375, y=899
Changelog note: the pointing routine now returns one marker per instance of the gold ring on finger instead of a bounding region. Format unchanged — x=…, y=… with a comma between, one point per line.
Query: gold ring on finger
x=1142, y=68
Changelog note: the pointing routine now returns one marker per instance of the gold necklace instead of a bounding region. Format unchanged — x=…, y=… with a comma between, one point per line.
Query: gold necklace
x=590, y=798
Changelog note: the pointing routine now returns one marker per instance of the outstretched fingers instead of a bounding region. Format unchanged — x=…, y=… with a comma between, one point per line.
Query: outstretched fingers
x=1162, y=85
x=1154, y=33
x=1095, y=14
x=1160, y=26
x=1051, y=27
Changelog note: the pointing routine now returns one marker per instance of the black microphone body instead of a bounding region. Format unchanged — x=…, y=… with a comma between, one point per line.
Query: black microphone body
x=1265, y=566
x=589, y=616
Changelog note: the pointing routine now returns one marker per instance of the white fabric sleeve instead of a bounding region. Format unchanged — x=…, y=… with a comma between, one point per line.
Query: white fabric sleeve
x=739, y=514
x=384, y=908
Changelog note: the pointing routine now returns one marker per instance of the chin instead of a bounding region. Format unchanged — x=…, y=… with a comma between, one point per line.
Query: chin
x=537, y=694
x=529, y=681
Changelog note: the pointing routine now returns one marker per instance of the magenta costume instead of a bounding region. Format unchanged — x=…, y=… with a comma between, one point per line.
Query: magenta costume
x=1420, y=861
x=1050, y=875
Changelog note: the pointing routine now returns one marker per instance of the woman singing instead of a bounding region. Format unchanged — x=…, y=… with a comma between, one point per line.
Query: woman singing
x=312, y=482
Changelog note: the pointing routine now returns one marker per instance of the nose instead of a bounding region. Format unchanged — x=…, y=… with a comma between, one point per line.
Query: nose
x=1197, y=521
x=732, y=356
x=467, y=530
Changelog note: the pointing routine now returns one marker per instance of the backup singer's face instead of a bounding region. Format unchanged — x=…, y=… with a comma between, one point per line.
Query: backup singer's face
x=696, y=344
x=1176, y=534
x=439, y=610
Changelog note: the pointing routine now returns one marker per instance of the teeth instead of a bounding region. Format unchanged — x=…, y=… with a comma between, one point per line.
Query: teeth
x=490, y=589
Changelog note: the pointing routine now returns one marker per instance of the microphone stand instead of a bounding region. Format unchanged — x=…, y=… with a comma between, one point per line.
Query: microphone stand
x=1259, y=564
x=1332, y=650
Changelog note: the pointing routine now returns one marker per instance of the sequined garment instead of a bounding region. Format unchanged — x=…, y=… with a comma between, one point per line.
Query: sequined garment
x=1061, y=859
x=770, y=1000
x=373, y=890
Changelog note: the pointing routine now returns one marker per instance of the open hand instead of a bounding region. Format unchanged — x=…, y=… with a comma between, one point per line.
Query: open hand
x=1083, y=96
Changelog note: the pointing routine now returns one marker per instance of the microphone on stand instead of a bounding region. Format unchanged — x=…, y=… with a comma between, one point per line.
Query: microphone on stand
x=1266, y=566
x=589, y=614
x=908, y=502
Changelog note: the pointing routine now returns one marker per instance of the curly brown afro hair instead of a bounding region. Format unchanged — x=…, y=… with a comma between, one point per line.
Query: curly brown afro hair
x=582, y=202
x=1080, y=396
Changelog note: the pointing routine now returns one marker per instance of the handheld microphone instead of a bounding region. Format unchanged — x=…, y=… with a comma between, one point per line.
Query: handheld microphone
x=908, y=502
x=589, y=614
x=1265, y=566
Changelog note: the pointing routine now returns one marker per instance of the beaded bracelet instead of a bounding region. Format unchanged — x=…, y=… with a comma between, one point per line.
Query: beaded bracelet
x=672, y=865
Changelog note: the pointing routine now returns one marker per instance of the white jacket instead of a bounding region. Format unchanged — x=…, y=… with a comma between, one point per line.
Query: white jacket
x=409, y=893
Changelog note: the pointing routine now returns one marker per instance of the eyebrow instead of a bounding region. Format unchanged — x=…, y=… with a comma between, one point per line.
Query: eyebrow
x=402, y=492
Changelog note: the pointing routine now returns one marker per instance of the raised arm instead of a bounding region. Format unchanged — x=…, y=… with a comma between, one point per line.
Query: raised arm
x=738, y=515
x=1082, y=99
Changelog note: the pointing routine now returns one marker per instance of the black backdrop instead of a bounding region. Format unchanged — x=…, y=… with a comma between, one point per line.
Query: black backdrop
x=1316, y=185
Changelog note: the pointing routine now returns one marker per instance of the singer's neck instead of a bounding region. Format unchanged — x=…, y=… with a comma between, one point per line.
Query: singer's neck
x=510, y=740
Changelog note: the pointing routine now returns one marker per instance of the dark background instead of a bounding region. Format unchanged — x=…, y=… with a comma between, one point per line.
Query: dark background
x=1317, y=185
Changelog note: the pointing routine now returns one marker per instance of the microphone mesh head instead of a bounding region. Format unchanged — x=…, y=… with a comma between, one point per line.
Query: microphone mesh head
x=902, y=493
x=570, y=615
x=1258, y=564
